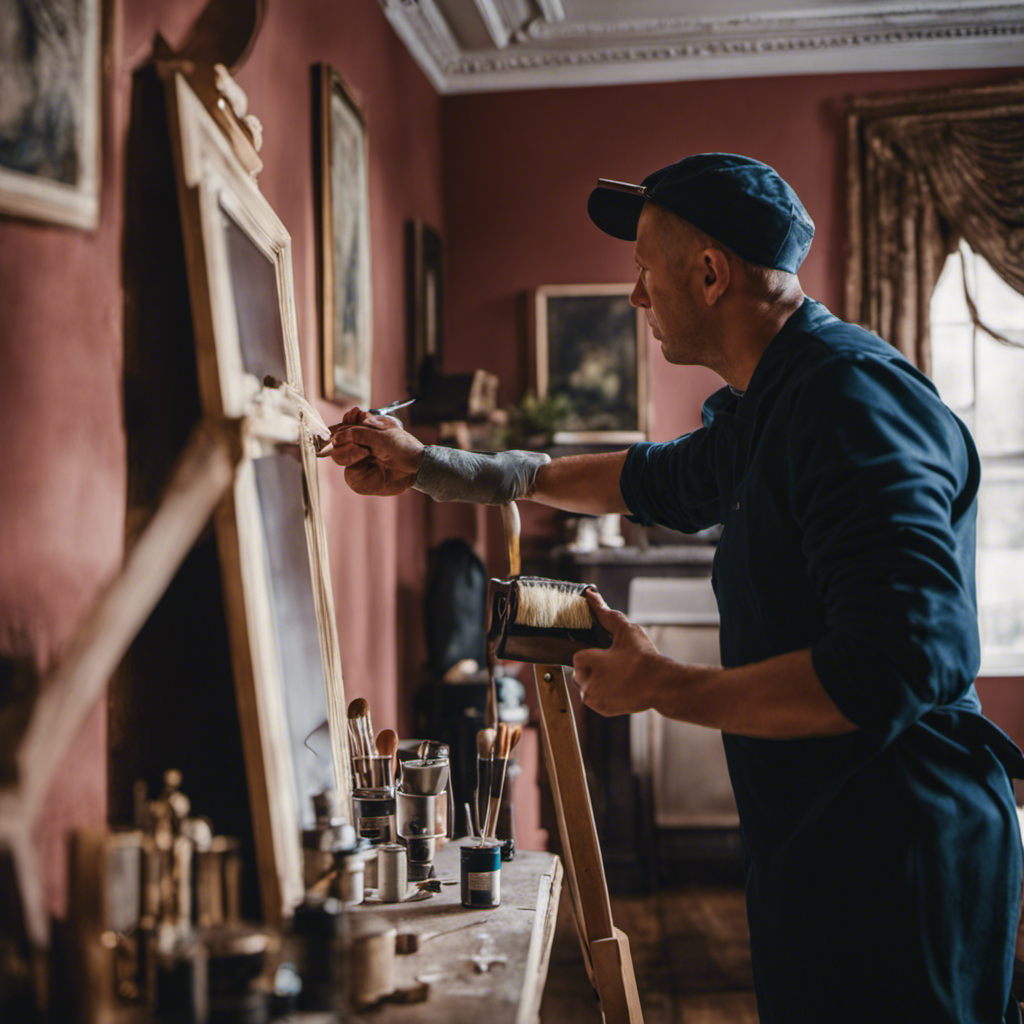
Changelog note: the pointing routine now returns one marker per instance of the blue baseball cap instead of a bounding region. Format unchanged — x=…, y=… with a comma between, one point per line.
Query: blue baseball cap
x=741, y=202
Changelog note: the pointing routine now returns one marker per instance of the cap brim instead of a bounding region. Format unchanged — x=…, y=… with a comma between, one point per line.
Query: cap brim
x=615, y=213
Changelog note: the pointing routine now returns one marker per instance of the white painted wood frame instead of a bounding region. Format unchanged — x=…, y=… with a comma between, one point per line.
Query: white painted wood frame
x=213, y=185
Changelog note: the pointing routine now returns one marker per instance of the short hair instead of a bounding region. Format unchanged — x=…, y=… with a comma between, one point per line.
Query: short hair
x=768, y=283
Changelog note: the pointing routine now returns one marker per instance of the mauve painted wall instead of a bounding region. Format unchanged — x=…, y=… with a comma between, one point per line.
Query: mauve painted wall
x=62, y=496
x=377, y=545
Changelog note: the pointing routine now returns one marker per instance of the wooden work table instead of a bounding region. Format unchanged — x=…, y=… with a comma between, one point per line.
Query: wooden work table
x=482, y=965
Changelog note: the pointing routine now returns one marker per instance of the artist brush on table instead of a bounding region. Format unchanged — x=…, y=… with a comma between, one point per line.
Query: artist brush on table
x=513, y=741
x=484, y=753
x=360, y=731
x=499, y=756
x=387, y=748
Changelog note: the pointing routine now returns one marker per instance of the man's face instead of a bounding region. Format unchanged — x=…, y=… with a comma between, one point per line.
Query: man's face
x=667, y=258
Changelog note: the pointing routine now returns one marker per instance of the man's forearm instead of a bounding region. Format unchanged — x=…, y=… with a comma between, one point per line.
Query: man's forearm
x=779, y=698
x=582, y=483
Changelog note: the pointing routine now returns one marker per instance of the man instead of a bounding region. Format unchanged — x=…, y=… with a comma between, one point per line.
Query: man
x=874, y=798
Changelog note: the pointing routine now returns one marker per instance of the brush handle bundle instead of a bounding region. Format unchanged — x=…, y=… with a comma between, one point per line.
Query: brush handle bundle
x=543, y=621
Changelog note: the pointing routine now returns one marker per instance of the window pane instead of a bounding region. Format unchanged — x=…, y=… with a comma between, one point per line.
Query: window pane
x=953, y=363
x=948, y=303
x=999, y=415
x=1000, y=609
x=1001, y=508
x=998, y=304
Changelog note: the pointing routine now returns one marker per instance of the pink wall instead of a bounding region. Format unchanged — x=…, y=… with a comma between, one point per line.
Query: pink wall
x=377, y=546
x=63, y=490
x=520, y=166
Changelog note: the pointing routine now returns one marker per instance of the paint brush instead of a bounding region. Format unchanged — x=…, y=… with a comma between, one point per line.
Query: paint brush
x=361, y=734
x=387, y=746
x=325, y=450
x=500, y=748
x=513, y=742
x=316, y=422
x=484, y=750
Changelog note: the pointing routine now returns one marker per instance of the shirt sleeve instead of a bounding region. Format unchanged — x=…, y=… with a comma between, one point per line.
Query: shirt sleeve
x=883, y=481
x=673, y=483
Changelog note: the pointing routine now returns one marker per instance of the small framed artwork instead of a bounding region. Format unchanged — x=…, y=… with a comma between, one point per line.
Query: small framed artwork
x=344, y=240
x=590, y=345
x=424, y=300
x=50, y=114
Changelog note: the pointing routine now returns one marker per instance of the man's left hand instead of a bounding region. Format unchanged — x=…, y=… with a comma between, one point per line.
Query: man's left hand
x=621, y=679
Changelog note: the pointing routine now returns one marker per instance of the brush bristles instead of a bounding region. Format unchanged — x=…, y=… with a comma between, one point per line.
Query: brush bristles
x=485, y=742
x=359, y=708
x=387, y=742
x=549, y=606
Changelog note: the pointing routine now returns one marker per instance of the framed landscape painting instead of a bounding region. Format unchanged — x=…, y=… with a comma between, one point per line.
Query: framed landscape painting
x=344, y=231
x=50, y=110
x=590, y=345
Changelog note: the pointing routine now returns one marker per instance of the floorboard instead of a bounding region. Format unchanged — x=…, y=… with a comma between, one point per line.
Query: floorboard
x=691, y=955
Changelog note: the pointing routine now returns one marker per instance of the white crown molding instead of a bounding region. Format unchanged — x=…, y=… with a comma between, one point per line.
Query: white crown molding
x=551, y=50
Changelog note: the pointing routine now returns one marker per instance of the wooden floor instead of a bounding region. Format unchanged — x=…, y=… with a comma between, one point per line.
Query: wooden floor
x=690, y=953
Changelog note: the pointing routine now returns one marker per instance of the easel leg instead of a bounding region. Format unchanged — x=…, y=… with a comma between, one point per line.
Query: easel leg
x=605, y=948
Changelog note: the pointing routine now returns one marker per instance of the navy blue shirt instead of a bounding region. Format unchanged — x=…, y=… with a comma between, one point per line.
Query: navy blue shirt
x=885, y=864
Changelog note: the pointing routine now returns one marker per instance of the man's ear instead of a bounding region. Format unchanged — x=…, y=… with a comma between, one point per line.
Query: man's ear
x=717, y=274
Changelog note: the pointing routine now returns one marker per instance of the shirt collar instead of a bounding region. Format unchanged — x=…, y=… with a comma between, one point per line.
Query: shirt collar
x=808, y=315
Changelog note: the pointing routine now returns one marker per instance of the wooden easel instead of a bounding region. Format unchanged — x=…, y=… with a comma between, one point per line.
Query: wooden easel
x=605, y=948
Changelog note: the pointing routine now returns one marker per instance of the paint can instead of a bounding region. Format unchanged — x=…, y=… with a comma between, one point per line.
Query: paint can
x=392, y=873
x=375, y=814
x=481, y=875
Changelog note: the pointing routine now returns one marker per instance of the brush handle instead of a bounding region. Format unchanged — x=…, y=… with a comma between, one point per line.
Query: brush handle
x=482, y=794
x=496, y=801
x=510, y=520
x=489, y=796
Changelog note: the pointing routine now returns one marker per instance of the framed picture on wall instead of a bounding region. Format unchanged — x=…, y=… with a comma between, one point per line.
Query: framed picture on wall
x=424, y=299
x=50, y=113
x=344, y=239
x=590, y=344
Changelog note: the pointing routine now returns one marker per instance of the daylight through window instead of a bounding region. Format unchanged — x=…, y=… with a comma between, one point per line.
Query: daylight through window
x=982, y=380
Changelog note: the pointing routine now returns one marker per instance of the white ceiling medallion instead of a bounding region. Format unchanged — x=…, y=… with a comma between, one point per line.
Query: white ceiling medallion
x=488, y=45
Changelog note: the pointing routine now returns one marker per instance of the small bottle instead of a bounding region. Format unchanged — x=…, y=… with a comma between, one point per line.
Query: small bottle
x=481, y=875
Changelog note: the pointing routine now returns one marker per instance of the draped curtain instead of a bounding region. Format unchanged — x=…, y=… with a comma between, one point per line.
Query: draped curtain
x=924, y=171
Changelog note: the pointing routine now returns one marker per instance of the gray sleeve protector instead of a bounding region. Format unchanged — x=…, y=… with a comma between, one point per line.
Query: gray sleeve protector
x=484, y=478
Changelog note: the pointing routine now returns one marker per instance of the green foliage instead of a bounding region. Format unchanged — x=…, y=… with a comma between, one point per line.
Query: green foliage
x=534, y=420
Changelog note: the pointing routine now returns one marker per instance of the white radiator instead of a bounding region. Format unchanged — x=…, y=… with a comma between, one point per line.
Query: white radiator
x=686, y=763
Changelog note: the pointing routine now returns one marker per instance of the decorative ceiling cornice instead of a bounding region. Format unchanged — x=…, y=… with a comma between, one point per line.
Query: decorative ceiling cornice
x=552, y=49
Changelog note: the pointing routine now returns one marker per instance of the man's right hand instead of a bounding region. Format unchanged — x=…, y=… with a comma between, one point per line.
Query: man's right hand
x=380, y=457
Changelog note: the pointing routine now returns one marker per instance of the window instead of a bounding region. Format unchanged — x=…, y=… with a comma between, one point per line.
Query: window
x=982, y=380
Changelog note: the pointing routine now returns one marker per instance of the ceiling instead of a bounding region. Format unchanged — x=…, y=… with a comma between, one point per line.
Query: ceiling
x=494, y=45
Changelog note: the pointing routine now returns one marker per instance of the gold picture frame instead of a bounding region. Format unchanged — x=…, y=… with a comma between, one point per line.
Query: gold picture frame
x=590, y=344
x=51, y=133
x=342, y=188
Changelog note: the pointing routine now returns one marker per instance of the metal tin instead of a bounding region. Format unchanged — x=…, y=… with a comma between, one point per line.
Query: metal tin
x=481, y=875
x=375, y=815
x=392, y=873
